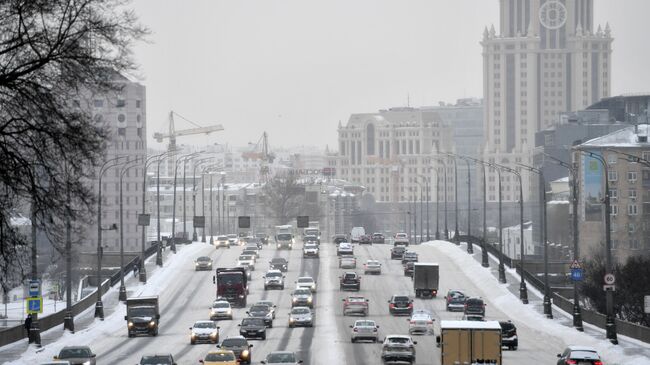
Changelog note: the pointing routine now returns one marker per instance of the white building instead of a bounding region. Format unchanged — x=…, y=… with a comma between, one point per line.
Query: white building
x=512, y=241
x=547, y=57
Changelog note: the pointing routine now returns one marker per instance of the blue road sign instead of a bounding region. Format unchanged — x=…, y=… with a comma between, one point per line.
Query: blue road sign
x=34, y=288
x=577, y=274
x=34, y=305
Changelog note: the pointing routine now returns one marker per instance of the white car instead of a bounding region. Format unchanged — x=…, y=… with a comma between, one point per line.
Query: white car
x=306, y=282
x=345, y=248
x=302, y=297
x=273, y=279
x=364, y=329
x=233, y=239
x=220, y=309
x=301, y=316
x=372, y=267
x=347, y=262
x=204, y=331
x=56, y=362
x=421, y=322
x=222, y=241
x=246, y=260
x=310, y=250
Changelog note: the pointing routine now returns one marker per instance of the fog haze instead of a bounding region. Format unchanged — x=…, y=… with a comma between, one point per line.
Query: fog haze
x=296, y=67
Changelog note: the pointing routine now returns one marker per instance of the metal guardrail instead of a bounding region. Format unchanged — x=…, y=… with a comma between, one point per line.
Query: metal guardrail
x=17, y=333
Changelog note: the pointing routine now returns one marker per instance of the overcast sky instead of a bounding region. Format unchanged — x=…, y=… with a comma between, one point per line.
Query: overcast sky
x=296, y=67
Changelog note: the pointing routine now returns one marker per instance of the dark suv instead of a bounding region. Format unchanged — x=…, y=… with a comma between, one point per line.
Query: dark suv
x=378, y=238
x=409, y=256
x=279, y=263
x=397, y=252
x=350, y=280
x=409, y=268
x=338, y=238
x=475, y=306
x=365, y=240
x=509, y=337
x=400, y=305
x=157, y=360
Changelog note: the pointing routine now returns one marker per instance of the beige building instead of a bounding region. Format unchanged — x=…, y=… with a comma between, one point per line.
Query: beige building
x=547, y=57
x=629, y=190
x=392, y=152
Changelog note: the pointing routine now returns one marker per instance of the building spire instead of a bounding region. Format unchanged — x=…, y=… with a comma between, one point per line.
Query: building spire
x=531, y=31
x=493, y=32
x=608, y=30
x=579, y=29
x=485, y=34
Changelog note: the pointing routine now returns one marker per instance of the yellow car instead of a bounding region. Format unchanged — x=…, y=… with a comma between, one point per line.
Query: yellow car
x=220, y=357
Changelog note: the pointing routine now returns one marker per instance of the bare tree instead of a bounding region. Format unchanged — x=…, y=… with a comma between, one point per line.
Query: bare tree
x=283, y=197
x=51, y=52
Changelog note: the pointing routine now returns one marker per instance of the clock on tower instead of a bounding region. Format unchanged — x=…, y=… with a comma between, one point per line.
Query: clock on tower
x=552, y=14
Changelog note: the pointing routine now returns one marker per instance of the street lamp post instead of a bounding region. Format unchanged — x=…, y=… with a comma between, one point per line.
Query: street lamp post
x=484, y=255
x=610, y=321
x=523, y=290
x=196, y=164
x=143, y=269
x=437, y=206
x=543, y=233
x=444, y=165
x=68, y=320
x=128, y=165
x=577, y=311
x=456, y=233
x=470, y=246
x=502, y=270
x=99, y=305
x=159, y=258
x=425, y=181
x=182, y=159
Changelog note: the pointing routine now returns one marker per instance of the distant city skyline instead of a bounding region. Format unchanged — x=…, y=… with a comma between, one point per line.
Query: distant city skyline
x=262, y=65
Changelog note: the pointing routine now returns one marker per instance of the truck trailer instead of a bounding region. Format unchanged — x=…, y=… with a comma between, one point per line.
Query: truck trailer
x=232, y=285
x=470, y=342
x=425, y=279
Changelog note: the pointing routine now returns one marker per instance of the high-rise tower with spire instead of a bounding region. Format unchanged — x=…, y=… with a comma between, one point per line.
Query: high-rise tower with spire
x=548, y=57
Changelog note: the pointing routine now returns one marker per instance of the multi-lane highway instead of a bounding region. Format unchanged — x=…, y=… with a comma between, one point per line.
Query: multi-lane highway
x=186, y=295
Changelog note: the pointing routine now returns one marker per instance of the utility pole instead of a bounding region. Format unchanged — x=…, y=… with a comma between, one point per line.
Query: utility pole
x=502, y=270
x=68, y=320
x=34, y=332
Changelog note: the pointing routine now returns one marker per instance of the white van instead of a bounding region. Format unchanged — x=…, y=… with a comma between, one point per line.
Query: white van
x=356, y=233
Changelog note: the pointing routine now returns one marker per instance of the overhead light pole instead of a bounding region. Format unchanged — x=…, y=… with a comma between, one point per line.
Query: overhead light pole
x=610, y=321
x=484, y=254
x=444, y=165
x=456, y=233
x=197, y=163
x=543, y=234
x=502, y=270
x=99, y=305
x=523, y=290
x=470, y=246
x=573, y=173
x=178, y=162
x=126, y=167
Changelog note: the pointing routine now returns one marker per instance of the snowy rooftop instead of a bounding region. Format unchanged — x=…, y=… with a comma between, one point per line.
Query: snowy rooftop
x=561, y=180
x=626, y=137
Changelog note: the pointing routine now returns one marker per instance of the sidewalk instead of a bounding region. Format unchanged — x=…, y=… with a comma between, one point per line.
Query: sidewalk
x=627, y=346
x=110, y=298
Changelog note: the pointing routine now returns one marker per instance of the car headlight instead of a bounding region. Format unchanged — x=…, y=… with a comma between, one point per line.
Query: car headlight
x=244, y=354
x=213, y=334
x=86, y=363
x=309, y=300
x=295, y=300
x=196, y=264
x=193, y=335
x=130, y=324
x=278, y=245
x=229, y=311
x=291, y=319
x=313, y=286
x=241, y=297
x=152, y=323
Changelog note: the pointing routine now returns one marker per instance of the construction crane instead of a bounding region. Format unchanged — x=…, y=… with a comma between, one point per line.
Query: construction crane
x=173, y=133
x=260, y=151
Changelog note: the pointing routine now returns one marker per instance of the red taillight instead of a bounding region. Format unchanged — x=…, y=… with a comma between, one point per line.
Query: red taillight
x=410, y=305
x=429, y=322
x=412, y=322
x=391, y=306
x=355, y=329
x=434, y=292
x=571, y=362
x=598, y=362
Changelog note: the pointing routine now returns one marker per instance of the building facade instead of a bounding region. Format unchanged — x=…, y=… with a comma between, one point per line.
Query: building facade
x=124, y=114
x=629, y=191
x=547, y=57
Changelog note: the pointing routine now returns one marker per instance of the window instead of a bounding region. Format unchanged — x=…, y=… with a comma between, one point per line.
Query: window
x=631, y=176
x=121, y=103
x=137, y=103
x=632, y=194
x=613, y=194
x=612, y=175
x=613, y=209
x=611, y=159
x=632, y=209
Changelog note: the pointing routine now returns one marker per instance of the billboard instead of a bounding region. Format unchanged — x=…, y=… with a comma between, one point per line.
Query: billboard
x=593, y=188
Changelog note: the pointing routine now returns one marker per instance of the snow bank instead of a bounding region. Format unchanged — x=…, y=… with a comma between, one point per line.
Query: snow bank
x=114, y=322
x=501, y=296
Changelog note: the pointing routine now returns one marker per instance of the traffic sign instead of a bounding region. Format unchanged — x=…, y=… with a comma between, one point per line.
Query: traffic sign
x=609, y=287
x=303, y=221
x=199, y=221
x=34, y=305
x=575, y=265
x=144, y=220
x=577, y=274
x=609, y=279
x=244, y=221
x=34, y=289
x=646, y=304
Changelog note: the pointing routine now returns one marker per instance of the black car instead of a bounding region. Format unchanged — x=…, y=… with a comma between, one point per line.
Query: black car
x=397, y=252
x=338, y=238
x=263, y=238
x=167, y=359
x=240, y=346
x=279, y=263
x=350, y=280
x=509, y=337
x=365, y=240
x=262, y=311
x=582, y=355
x=409, y=256
x=400, y=305
x=475, y=306
x=257, y=241
x=378, y=238
x=253, y=328
x=408, y=268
